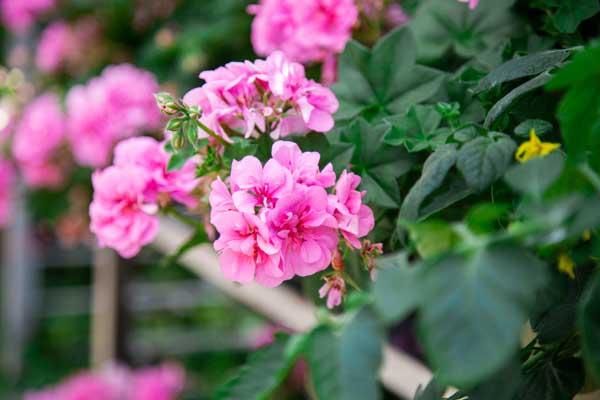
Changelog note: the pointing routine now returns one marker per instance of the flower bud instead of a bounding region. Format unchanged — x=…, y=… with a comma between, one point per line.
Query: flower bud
x=166, y=103
x=178, y=141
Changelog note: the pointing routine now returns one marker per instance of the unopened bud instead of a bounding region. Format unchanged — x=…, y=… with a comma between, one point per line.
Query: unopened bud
x=166, y=103
x=178, y=141
x=174, y=124
x=338, y=261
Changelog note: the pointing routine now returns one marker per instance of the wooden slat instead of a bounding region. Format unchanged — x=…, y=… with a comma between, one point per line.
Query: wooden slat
x=400, y=373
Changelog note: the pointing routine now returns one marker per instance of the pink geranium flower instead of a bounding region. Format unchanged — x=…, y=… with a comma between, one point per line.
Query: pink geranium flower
x=37, y=138
x=334, y=289
x=123, y=211
x=304, y=30
x=150, y=154
x=164, y=382
x=116, y=105
x=355, y=219
x=271, y=96
x=277, y=220
x=19, y=15
x=55, y=45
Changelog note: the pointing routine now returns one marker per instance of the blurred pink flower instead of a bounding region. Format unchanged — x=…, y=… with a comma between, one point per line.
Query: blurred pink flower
x=164, y=382
x=271, y=95
x=304, y=30
x=150, y=154
x=116, y=105
x=19, y=15
x=472, y=3
x=37, y=138
x=123, y=211
x=7, y=181
x=56, y=43
x=395, y=15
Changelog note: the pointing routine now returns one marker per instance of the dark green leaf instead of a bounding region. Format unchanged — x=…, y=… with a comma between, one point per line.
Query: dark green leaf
x=178, y=159
x=485, y=159
x=435, y=169
x=485, y=218
x=540, y=126
x=589, y=326
x=441, y=25
x=536, y=175
x=552, y=380
x=345, y=367
x=265, y=370
x=520, y=67
x=472, y=317
x=417, y=130
x=432, y=238
x=571, y=13
x=393, y=290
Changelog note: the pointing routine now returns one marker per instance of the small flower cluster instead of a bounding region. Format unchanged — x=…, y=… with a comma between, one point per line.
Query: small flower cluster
x=277, y=221
x=164, y=382
x=73, y=47
x=271, y=96
x=116, y=105
x=304, y=30
x=19, y=15
x=37, y=137
x=129, y=193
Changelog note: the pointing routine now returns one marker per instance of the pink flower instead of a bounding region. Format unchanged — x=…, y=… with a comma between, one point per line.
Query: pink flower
x=122, y=211
x=355, y=219
x=37, y=139
x=334, y=288
x=7, y=180
x=19, y=15
x=116, y=105
x=247, y=250
x=307, y=232
x=219, y=198
x=472, y=3
x=395, y=15
x=150, y=154
x=268, y=96
x=255, y=186
x=164, y=382
x=304, y=30
x=304, y=166
x=55, y=45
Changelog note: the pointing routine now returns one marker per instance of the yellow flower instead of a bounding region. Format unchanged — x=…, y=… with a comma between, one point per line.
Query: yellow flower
x=534, y=148
x=586, y=235
x=566, y=265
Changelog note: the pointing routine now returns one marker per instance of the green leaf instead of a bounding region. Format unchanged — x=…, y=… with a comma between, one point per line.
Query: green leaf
x=540, y=126
x=385, y=80
x=441, y=25
x=504, y=103
x=536, y=175
x=265, y=370
x=345, y=367
x=377, y=163
x=239, y=149
x=472, y=316
x=485, y=218
x=589, y=325
x=393, y=291
x=417, y=130
x=553, y=380
x=520, y=67
x=579, y=110
x=485, y=159
x=432, y=238
x=571, y=13
x=435, y=169
x=178, y=159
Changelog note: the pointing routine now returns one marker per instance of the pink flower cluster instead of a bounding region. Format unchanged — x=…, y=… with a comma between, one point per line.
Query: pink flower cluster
x=7, y=180
x=277, y=221
x=56, y=43
x=305, y=30
x=116, y=105
x=19, y=15
x=129, y=193
x=266, y=96
x=37, y=138
x=164, y=382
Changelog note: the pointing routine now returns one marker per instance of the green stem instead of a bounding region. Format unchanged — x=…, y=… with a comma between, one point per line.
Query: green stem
x=351, y=281
x=211, y=133
x=591, y=176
